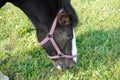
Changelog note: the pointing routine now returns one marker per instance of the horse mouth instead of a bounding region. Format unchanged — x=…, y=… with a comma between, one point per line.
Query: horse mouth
x=62, y=64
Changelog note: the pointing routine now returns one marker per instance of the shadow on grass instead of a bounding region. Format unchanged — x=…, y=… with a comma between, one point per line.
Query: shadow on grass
x=96, y=49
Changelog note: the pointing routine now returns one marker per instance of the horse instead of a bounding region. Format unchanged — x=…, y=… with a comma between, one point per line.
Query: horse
x=54, y=22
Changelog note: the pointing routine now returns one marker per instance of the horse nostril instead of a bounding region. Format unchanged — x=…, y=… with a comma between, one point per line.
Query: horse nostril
x=62, y=67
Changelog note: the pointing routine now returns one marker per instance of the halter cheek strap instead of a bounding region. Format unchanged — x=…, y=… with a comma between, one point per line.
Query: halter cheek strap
x=50, y=38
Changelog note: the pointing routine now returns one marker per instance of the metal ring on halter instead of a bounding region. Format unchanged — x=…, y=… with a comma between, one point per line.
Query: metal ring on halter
x=60, y=54
x=49, y=35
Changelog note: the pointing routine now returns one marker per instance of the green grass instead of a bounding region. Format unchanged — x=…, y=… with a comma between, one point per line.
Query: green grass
x=98, y=43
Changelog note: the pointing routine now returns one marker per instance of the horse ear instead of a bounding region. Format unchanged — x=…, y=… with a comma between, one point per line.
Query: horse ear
x=63, y=19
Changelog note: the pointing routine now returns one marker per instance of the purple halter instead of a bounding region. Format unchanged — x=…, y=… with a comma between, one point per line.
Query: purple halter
x=51, y=39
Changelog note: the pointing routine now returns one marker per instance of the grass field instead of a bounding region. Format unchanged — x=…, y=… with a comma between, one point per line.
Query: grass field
x=98, y=44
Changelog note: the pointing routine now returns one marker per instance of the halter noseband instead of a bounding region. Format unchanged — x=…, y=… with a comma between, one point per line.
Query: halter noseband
x=50, y=38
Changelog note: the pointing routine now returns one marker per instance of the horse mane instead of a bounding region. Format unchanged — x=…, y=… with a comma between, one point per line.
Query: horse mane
x=2, y=3
x=59, y=4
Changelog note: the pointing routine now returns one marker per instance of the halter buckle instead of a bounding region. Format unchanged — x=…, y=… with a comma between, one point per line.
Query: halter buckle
x=49, y=35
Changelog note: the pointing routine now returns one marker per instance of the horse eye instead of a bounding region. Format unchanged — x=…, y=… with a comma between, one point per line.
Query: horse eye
x=69, y=38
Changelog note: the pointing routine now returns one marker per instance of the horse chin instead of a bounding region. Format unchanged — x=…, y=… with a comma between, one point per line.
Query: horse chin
x=62, y=64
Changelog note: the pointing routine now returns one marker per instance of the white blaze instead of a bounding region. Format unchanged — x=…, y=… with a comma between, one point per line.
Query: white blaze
x=74, y=48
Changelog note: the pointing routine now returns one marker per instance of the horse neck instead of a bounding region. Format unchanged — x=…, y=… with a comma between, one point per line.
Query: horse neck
x=40, y=13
